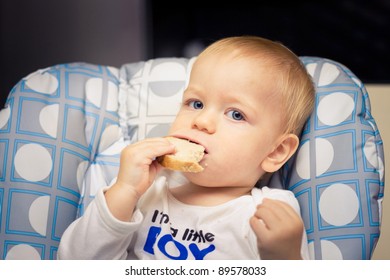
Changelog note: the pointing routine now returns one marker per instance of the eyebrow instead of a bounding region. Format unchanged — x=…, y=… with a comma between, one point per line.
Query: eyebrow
x=240, y=102
x=190, y=89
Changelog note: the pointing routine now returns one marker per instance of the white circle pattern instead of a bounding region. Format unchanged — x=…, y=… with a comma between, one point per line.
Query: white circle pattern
x=42, y=82
x=110, y=135
x=168, y=71
x=23, y=252
x=324, y=155
x=303, y=161
x=4, y=116
x=339, y=204
x=112, y=98
x=371, y=154
x=311, y=68
x=330, y=251
x=94, y=91
x=48, y=119
x=335, y=108
x=33, y=162
x=329, y=73
x=38, y=214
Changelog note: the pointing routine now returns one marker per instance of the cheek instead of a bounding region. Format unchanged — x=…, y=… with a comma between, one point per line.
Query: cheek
x=248, y=154
x=181, y=121
x=234, y=157
x=232, y=170
x=241, y=161
x=176, y=125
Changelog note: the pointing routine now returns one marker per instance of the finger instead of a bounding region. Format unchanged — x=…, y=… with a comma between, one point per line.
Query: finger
x=280, y=208
x=150, y=149
x=163, y=150
x=274, y=212
x=268, y=211
x=267, y=214
x=283, y=214
x=258, y=226
x=153, y=141
x=287, y=212
x=158, y=167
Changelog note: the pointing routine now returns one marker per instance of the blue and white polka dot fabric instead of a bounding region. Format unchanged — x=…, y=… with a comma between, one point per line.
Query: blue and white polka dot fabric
x=338, y=172
x=55, y=129
x=62, y=130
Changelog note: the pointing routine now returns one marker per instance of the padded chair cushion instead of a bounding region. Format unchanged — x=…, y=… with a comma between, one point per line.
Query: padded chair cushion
x=61, y=135
x=54, y=129
x=337, y=174
x=151, y=95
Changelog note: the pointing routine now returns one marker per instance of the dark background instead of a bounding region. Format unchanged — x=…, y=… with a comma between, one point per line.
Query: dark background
x=40, y=33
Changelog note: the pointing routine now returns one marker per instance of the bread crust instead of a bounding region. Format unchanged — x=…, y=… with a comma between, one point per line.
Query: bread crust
x=170, y=162
x=190, y=164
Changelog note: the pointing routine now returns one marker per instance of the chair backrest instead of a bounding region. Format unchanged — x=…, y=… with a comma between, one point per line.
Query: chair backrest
x=52, y=129
x=338, y=173
x=63, y=127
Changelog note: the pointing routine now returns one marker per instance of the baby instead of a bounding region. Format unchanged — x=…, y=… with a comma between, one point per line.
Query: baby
x=246, y=103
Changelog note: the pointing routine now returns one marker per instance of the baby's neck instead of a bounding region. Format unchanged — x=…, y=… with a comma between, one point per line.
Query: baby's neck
x=192, y=194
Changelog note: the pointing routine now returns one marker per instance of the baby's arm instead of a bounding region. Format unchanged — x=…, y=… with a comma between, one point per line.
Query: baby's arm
x=137, y=172
x=279, y=230
x=97, y=235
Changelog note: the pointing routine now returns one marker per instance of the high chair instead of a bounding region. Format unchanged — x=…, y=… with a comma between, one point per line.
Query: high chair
x=63, y=127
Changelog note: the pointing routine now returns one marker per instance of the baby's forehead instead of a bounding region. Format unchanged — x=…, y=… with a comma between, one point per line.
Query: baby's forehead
x=255, y=69
x=220, y=58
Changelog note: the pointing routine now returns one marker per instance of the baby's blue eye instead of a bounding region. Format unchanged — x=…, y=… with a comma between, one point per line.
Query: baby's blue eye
x=236, y=115
x=196, y=104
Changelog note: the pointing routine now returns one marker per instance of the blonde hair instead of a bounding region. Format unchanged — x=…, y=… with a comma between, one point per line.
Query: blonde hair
x=293, y=82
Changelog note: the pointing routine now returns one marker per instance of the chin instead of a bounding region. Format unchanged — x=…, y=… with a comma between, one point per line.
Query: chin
x=202, y=179
x=208, y=178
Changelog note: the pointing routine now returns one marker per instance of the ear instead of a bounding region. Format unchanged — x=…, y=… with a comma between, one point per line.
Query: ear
x=287, y=146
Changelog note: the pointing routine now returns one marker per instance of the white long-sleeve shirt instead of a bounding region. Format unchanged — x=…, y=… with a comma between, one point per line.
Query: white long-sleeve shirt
x=164, y=228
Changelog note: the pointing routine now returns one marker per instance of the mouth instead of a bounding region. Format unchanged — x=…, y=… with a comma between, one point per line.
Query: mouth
x=191, y=140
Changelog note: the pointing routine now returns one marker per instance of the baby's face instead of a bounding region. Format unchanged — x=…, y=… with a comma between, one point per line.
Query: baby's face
x=231, y=107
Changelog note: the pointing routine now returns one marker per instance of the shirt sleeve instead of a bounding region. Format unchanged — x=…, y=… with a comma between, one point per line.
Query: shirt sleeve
x=98, y=234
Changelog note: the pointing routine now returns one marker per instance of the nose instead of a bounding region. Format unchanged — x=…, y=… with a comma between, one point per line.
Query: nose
x=205, y=121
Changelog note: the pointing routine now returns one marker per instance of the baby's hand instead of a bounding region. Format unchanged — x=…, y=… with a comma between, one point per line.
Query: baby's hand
x=138, y=167
x=137, y=171
x=279, y=230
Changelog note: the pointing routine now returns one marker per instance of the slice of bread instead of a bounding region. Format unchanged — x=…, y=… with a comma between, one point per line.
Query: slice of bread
x=187, y=156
